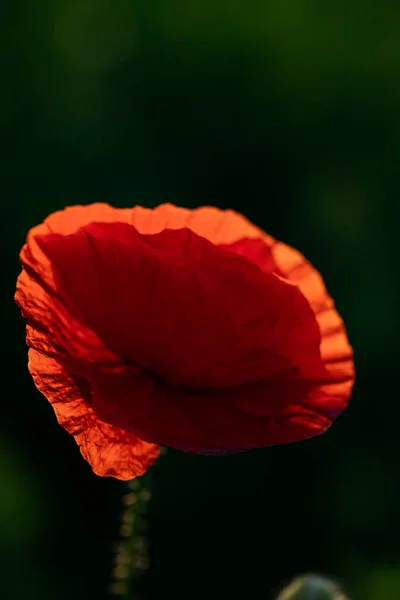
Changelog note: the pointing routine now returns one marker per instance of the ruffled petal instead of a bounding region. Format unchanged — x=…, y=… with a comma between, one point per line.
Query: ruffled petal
x=65, y=222
x=211, y=421
x=177, y=306
x=217, y=353
x=110, y=451
x=192, y=329
x=335, y=350
x=218, y=226
x=50, y=327
x=228, y=228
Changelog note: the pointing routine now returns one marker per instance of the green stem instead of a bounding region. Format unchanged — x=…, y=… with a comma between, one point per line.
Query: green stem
x=131, y=556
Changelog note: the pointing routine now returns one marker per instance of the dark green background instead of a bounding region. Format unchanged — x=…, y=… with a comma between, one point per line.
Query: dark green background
x=289, y=112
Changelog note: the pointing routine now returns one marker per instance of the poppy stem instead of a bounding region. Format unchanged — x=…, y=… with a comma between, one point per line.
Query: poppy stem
x=131, y=556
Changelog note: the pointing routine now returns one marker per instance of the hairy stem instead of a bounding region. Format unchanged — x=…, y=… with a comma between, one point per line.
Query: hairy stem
x=131, y=556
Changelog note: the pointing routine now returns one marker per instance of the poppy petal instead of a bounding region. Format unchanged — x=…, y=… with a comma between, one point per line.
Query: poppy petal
x=233, y=231
x=65, y=222
x=217, y=226
x=51, y=328
x=189, y=328
x=212, y=421
x=336, y=352
x=198, y=325
x=181, y=308
x=110, y=451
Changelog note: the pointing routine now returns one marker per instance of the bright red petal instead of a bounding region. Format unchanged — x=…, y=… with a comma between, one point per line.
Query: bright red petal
x=110, y=451
x=198, y=325
x=335, y=350
x=179, y=307
x=183, y=342
x=212, y=421
x=230, y=229
x=217, y=226
x=51, y=329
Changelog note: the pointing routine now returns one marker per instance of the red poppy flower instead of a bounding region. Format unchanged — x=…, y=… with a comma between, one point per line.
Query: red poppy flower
x=187, y=328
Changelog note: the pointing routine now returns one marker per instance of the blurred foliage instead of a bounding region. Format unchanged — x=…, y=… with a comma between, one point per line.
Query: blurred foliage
x=288, y=112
